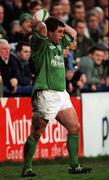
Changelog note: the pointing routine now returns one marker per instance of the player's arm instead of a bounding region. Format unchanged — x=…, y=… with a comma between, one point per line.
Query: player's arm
x=71, y=32
x=40, y=27
x=70, y=37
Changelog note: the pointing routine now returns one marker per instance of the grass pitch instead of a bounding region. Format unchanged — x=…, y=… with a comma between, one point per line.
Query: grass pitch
x=57, y=170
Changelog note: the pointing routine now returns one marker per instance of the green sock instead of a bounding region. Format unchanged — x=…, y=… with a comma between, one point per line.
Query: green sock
x=29, y=150
x=72, y=146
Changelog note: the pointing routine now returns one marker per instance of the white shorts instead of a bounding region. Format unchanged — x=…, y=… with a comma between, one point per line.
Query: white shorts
x=47, y=103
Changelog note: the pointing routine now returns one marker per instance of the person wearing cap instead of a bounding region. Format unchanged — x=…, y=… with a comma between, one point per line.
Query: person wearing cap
x=25, y=23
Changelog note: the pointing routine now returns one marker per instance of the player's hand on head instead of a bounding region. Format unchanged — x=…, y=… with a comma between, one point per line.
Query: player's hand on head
x=71, y=31
x=40, y=27
x=38, y=21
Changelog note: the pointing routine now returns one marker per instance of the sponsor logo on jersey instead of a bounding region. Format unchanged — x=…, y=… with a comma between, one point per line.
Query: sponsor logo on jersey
x=52, y=46
x=57, y=61
x=59, y=47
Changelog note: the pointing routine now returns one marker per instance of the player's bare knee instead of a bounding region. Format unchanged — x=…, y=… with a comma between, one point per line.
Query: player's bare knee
x=37, y=133
x=37, y=130
x=78, y=128
x=75, y=129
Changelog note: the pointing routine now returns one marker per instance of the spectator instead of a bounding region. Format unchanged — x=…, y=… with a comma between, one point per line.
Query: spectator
x=103, y=22
x=83, y=43
x=7, y=69
x=79, y=3
x=71, y=12
x=99, y=13
x=47, y=4
x=75, y=84
x=94, y=28
x=103, y=3
x=89, y=4
x=92, y=66
x=14, y=34
x=13, y=9
x=66, y=10
x=3, y=33
x=106, y=12
x=25, y=22
x=78, y=13
x=20, y=30
x=106, y=18
x=68, y=57
x=23, y=73
x=106, y=40
x=56, y=10
x=35, y=6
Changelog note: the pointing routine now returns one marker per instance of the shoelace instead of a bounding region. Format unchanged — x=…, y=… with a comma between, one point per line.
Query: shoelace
x=79, y=168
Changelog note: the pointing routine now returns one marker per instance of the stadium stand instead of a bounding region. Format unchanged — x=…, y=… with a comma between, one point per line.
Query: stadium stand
x=89, y=18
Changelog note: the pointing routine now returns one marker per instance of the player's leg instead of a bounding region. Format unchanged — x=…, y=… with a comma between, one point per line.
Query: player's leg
x=38, y=126
x=43, y=110
x=69, y=120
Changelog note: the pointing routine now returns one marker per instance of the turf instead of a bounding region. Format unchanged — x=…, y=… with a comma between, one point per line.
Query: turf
x=57, y=170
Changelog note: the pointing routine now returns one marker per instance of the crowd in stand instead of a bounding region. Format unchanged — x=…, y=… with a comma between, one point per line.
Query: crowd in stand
x=86, y=60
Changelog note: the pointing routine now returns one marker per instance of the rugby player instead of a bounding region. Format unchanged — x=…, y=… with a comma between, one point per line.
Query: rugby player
x=49, y=97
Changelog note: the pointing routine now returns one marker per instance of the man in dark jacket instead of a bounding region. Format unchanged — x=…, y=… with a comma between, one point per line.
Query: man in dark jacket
x=23, y=73
x=7, y=69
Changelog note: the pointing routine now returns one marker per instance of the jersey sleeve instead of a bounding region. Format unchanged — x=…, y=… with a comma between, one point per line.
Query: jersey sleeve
x=38, y=44
x=67, y=40
x=37, y=41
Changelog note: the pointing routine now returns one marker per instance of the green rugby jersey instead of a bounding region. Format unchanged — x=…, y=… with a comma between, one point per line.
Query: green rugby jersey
x=48, y=61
